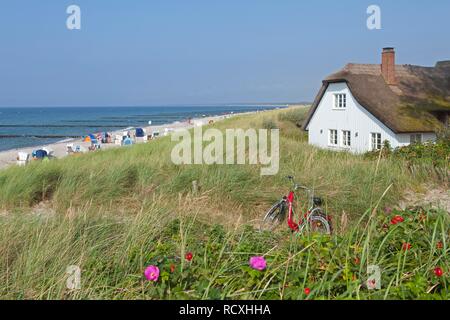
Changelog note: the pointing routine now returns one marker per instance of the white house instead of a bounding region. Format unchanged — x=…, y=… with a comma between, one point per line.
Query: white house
x=363, y=105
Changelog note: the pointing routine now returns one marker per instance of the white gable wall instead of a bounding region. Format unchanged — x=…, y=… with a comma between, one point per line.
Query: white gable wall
x=354, y=118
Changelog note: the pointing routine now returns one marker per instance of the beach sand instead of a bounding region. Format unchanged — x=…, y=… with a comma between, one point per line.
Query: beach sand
x=9, y=157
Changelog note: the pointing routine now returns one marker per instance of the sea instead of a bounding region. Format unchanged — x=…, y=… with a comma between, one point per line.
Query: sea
x=38, y=126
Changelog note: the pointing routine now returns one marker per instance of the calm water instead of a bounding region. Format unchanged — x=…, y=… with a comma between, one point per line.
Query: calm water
x=25, y=127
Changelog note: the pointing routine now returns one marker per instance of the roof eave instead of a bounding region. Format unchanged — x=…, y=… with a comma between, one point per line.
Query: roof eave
x=321, y=93
x=319, y=97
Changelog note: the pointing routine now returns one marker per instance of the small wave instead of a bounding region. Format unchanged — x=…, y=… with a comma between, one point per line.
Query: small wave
x=58, y=126
x=14, y=136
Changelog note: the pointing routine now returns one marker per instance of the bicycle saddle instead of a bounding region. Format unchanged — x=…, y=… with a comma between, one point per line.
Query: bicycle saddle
x=317, y=201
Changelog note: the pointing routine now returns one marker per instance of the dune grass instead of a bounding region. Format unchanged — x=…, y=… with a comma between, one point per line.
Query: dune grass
x=114, y=212
x=134, y=175
x=112, y=254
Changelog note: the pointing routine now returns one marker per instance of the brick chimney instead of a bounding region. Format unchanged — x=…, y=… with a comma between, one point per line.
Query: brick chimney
x=388, y=66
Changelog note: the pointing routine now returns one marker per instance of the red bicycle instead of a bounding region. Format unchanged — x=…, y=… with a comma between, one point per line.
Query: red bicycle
x=314, y=220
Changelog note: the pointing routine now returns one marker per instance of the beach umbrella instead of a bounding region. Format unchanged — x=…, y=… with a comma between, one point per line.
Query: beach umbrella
x=89, y=138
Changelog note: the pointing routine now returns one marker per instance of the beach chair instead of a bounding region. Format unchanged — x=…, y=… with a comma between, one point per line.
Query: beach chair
x=79, y=149
x=127, y=142
x=23, y=158
x=140, y=140
x=106, y=138
x=39, y=154
x=199, y=123
x=167, y=131
x=70, y=149
x=49, y=151
x=155, y=134
x=141, y=136
x=140, y=132
x=118, y=140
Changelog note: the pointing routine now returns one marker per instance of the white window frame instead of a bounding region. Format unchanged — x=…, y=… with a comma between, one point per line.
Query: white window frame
x=346, y=139
x=335, y=138
x=413, y=138
x=340, y=101
x=375, y=141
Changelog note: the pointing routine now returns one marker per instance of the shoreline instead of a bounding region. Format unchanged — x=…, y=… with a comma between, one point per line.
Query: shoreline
x=9, y=157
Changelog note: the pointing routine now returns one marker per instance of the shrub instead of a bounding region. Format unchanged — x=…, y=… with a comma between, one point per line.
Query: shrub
x=269, y=124
x=296, y=116
x=436, y=153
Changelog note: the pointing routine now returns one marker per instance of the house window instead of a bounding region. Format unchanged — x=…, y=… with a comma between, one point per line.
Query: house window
x=376, y=141
x=416, y=138
x=346, y=139
x=340, y=101
x=333, y=138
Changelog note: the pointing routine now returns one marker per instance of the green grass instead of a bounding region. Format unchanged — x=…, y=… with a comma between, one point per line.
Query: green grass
x=106, y=180
x=114, y=212
x=112, y=254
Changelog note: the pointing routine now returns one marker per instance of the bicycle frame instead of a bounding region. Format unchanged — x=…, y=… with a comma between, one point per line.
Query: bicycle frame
x=298, y=227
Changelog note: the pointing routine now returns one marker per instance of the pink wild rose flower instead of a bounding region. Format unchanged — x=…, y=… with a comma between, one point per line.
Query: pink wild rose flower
x=258, y=263
x=152, y=273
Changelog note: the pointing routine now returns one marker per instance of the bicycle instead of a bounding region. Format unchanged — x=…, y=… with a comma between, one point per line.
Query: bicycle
x=315, y=219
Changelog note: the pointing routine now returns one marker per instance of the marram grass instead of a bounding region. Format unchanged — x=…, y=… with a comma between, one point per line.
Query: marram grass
x=113, y=213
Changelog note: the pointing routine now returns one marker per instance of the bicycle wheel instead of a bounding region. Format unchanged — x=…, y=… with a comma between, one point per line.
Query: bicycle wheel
x=318, y=224
x=274, y=216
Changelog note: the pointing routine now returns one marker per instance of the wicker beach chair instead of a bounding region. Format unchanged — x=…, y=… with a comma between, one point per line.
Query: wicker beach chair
x=49, y=151
x=23, y=158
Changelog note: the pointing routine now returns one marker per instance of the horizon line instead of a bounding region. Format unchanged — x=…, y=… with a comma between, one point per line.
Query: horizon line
x=263, y=104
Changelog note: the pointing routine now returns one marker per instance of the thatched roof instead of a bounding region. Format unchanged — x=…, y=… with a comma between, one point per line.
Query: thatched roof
x=412, y=105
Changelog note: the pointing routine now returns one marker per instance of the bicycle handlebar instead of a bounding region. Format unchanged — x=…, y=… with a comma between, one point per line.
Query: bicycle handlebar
x=296, y=185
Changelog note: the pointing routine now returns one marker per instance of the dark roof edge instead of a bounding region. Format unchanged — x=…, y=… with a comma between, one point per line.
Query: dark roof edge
x=315, y=104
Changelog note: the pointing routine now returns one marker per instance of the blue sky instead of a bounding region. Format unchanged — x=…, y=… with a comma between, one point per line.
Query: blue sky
x=162, y=52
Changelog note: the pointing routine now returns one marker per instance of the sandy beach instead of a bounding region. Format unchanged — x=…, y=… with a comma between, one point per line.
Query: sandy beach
x=9, y=157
